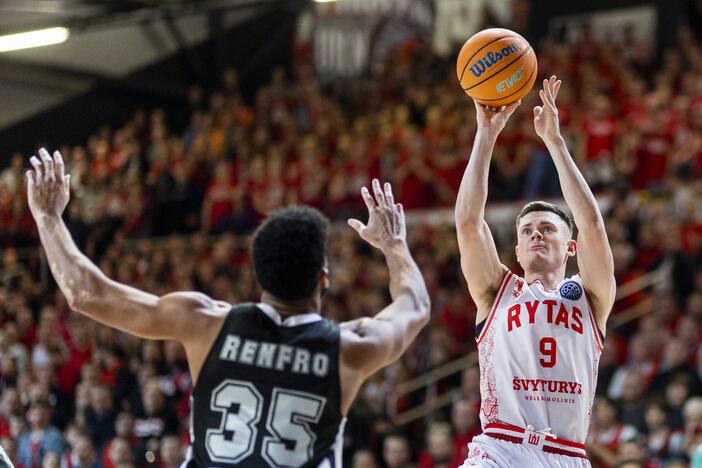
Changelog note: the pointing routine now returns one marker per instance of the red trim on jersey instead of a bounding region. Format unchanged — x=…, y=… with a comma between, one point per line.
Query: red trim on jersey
x=569, y=443
x=507, y=427
x=521, y=430
x=558, y=451
x=505, y=282
x=508, y=438
x=548, y=438
x=545, y=448
x=595, y=328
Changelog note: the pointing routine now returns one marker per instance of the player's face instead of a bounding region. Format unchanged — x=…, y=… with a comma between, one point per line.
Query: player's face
x=544, y=241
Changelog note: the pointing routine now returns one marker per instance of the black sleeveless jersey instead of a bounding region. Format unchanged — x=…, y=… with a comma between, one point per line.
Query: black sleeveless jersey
x=269, y=393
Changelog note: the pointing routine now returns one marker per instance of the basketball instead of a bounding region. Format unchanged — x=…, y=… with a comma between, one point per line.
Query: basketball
x=496, y=67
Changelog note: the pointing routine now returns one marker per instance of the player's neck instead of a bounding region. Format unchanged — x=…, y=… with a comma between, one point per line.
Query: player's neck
x=288, y=308
x=549, y=279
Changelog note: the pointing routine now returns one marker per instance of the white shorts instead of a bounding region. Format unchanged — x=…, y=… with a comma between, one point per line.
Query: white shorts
x=487, y=452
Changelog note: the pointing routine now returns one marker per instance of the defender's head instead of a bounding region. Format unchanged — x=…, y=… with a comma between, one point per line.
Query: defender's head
x=544, y=237
x=289, y=253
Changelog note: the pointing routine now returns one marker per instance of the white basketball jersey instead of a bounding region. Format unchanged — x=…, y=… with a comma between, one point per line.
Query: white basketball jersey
x=539, y=350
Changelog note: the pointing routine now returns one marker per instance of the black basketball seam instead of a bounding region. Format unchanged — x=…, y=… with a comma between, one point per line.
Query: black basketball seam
x=498, y=71
x=463, y=72
x=533, y=69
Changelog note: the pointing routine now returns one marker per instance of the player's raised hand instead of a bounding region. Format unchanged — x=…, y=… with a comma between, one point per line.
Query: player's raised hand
x=386, y=219
x=546, y=115
x=48, y=187
x=492, y=120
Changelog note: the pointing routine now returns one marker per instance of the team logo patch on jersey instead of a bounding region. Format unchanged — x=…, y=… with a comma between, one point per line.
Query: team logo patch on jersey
x=571, y=290
x=518, y=288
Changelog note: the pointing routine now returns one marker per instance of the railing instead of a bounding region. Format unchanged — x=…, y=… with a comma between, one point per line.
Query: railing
x=429, y=379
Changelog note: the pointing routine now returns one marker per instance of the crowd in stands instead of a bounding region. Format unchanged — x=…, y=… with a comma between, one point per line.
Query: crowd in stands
x=78, y=394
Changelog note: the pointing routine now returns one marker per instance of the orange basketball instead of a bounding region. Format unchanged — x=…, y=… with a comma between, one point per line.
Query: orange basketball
x=496, y=67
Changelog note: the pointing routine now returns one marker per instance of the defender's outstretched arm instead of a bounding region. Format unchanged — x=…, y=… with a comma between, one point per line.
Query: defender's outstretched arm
x=374, y=342
x=88, y=290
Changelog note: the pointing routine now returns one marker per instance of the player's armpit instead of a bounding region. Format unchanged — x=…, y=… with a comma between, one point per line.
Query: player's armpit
x=596, y=265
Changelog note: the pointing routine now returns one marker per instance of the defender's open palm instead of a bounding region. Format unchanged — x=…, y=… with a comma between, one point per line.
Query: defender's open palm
x=546, y=115
x=386, y=219
x=48, y=187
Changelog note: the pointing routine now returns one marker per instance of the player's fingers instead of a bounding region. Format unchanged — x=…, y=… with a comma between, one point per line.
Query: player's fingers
x=38, y=170
x=379, y=197
x=389, y=198
x=399, y=218
x=550, y=102
x=509, y=110
x=356, y=225
x=365, y=194
x=59, y=166
x=552, y=107
x=551, y=88
x=30, y=180
x=48, y=165
x=556, y=88
x=547, y=90
x=542, y=95
x=537, y=112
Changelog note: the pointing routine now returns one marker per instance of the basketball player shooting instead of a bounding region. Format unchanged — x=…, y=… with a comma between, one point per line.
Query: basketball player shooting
x=539, y=336
x=273, y=380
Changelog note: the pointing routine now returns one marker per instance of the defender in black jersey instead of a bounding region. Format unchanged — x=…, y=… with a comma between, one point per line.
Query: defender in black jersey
x=273, y=380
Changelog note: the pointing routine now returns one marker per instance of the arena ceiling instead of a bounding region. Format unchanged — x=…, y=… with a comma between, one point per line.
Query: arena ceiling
x=109, y=40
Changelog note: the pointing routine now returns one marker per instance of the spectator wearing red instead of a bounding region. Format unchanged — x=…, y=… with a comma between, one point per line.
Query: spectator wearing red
x=218, y=198
x=465, y=426
x=599, y=131
x=413, y=175
x=439, y=452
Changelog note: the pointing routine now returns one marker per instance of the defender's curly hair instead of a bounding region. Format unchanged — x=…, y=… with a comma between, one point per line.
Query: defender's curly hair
x=289, y=250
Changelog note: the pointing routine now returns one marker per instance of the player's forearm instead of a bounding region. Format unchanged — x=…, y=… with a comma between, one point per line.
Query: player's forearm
x=576, y=192
x=406, y=281
x=86, y=288
x=472, y=194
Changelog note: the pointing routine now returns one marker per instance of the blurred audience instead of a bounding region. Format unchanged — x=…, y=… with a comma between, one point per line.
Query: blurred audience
x=166, y=209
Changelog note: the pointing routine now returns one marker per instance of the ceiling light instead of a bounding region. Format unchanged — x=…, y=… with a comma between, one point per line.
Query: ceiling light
x=38, y=38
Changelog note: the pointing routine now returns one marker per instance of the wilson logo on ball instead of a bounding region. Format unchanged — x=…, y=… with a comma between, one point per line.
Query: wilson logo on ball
x=491, y=58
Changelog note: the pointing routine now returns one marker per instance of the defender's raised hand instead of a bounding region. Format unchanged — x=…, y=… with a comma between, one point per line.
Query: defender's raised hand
x=546, y=115
x=386, y=219
x=48, y=187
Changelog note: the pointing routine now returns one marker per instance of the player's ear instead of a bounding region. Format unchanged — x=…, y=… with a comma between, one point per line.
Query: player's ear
x=572, y=248
x=516, y=251
x=324, y=277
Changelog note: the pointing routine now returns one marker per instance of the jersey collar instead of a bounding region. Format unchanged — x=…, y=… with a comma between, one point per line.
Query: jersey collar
x=292, y=321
